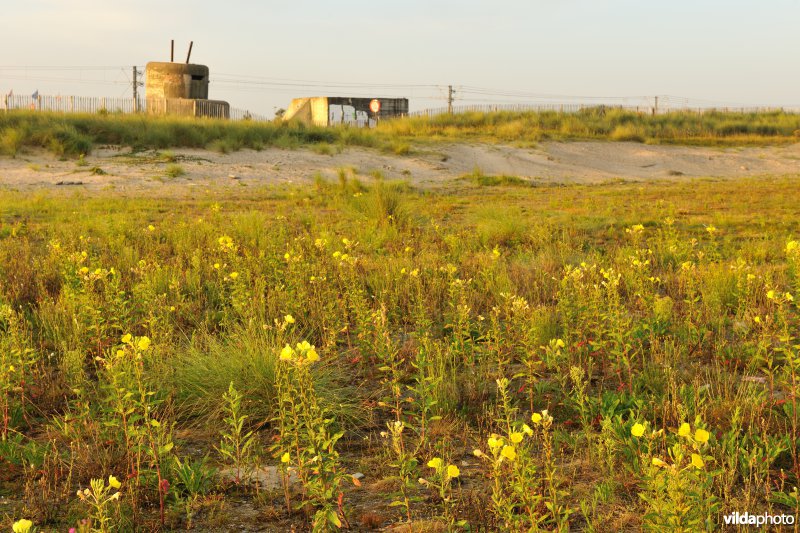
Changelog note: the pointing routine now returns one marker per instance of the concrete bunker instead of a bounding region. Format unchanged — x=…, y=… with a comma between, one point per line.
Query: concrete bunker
x=332, y=110
x=181, y=89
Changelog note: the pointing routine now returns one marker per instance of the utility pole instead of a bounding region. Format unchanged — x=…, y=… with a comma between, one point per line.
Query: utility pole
x=655, y=109
x=135, y=92
x=450, y=93
x=136, y=85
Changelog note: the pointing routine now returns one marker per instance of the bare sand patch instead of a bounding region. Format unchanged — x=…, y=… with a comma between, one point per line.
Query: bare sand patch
x=431, y=166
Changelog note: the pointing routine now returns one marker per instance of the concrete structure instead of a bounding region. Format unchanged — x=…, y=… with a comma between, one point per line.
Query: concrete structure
x=181, y=89
x=331, y=110
x=176, y=80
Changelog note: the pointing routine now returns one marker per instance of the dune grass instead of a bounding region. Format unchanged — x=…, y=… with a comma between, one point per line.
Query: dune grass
x=70, y=135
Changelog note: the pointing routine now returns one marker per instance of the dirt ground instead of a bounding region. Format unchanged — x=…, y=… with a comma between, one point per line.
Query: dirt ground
x=572, y=162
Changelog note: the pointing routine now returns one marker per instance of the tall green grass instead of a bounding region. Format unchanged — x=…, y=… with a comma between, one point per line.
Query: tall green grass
x=69, y=135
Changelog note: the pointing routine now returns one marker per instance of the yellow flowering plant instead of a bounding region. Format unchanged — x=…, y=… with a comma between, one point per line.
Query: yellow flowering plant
x=677, y=488
x=306, y=436
x=442, y=481
x=102, y=499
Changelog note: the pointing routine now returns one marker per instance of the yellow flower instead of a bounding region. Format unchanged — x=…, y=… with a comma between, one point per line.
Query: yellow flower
x=789, y=297
x=84, y=270
x=114, y=482
x=701, y=435
x=126, y=339
x=637, y=430
x=515, y=437
x=495, y=442
x=151, y=228
x=10, y=368
x=435, y=463
x=536, y=418
x=225, y=242
x=771, y=295
x=287, y=353
x=697, y=461
x=509, y=452
x=312, y=356
x=658, y=462
x=143, y=343
x=711, y=229
x=216, y=266
x=234, y=275
x=792, y=246
x=452, y=471
x=285, y=458
x=527, y=430
x=22, y=526
x=559, y=343
x=684, y=430
x=287, y=256
x=289, y=319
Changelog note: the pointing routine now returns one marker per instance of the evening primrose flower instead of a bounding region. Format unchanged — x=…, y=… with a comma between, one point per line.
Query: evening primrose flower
x=559, y=343
x=289, y=319
x=697, y=461
x=509, y=452
x=435, y=463
x=234, y=275
x=684, y=430
x=126, y=339
x=658, y=462
x=637, y=430
x=536, y=418
x=453, y=471
x=143, y=343
x=495, y=442
x=113, y=482
x=151, y=228
x=701, y=435
x=312, y=356
x=527, y=430
x=771, y=294
x=285, y=458
x=515, y=437
x=286, y=353
x=22, y=526
x=791, y=246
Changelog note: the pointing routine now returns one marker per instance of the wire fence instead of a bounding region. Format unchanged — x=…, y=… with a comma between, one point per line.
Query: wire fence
x=98, y=104
x=222, y=110
x=576, y=108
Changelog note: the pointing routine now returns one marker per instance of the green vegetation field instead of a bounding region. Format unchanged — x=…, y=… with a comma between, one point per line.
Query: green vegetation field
x=603, y=358
x=70, y=135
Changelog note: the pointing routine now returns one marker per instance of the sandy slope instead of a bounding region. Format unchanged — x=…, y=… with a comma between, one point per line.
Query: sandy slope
x=549, y=162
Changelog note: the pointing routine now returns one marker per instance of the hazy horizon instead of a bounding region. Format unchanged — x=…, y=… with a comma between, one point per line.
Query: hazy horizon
x=260, y=57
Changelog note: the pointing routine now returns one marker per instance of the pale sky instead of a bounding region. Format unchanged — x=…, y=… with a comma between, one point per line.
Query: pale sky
x=262, y=54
